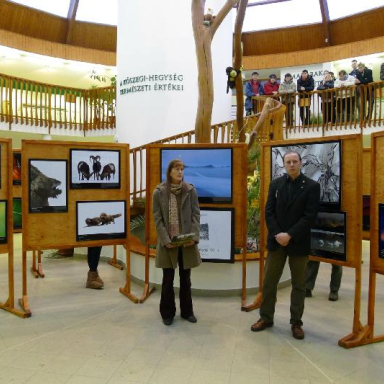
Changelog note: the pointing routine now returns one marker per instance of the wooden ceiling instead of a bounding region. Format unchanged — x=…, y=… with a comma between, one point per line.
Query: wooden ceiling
x=29, y=22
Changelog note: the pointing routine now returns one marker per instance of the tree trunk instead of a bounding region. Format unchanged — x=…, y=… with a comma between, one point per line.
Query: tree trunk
x=237, y=64
x=203, y=39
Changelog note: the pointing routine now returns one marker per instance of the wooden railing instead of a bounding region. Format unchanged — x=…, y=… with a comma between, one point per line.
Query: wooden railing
x=354, y=107
x=45, y=105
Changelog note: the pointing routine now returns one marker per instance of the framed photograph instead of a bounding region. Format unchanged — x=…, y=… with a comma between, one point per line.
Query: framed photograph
x=320, y=162
x=100, y=220
x=208, y=169
x=94, y=169
x=17, y=213
x=48, y=186
x=381, y=231
x=3, y=222
x=328, y=236
x=217, y=235
x=16, y=168
x=366, y=212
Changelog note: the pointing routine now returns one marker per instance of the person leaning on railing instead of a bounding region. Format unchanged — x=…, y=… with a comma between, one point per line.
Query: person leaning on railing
x=363, y=77
x=252, y=88
x=305, y=84
x=287, y=91
x=328, y=99
x=345, y=97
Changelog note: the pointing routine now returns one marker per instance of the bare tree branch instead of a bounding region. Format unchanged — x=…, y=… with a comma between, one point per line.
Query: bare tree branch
x=222, y=15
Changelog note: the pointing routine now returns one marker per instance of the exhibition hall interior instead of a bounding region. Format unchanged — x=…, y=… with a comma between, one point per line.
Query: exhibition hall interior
x=191, y=191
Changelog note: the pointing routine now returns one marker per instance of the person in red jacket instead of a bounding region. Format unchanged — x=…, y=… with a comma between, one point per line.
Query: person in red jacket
x=271, y=87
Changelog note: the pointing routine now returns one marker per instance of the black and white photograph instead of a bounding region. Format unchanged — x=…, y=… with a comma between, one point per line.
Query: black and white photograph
x=321, y=162
x=48, y=186
x=100, y=220
x=328, y=236
x=94, y=169
x=217, y=235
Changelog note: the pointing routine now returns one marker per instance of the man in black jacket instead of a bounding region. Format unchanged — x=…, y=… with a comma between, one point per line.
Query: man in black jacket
x=305, y=84
x=367, y=94
x=291, y=210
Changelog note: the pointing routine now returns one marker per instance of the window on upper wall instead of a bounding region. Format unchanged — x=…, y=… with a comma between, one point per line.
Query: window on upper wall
x=57, y=7
x=280, y=15
x=338, y=9
x=98, y=11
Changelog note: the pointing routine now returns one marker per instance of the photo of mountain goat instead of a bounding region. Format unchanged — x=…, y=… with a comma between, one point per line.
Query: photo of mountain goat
x=94, y=169
x=47, y=186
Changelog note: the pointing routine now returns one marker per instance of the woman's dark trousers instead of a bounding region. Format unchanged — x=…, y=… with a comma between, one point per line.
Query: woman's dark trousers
x=167, y=302
x=93, y=258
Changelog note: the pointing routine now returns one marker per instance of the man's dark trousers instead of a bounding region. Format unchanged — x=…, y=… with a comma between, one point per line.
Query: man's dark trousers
x=273, y=270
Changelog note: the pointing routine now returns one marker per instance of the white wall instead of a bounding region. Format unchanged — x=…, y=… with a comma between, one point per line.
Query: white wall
x=156, y=38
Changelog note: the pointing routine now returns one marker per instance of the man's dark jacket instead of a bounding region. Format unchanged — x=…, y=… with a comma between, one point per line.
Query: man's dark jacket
x=295, y=215
x=365, y=77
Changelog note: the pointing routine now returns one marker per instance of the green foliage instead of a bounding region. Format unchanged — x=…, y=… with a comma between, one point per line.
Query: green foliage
x=137, y=222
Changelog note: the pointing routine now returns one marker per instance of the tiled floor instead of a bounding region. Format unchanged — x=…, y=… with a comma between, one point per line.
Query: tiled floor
x=78, y=335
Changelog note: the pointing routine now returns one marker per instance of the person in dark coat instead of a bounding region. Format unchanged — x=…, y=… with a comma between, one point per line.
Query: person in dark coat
x=328, y=102
x=305, y=84
x=367, y=94
x=252, y=88
x=290, y=212
x=175, y=212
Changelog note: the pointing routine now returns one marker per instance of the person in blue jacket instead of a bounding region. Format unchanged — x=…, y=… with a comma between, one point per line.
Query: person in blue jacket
x=252, y=88
x=305, y=84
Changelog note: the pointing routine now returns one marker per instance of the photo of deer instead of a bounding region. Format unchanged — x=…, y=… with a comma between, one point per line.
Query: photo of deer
x=94, y=169
x=100, y=220
x=47, y=181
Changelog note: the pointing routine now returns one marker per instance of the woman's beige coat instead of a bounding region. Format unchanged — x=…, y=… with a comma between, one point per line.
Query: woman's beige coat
x=190, y=223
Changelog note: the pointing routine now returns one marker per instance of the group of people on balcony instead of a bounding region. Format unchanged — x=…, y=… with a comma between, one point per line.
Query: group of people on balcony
x=338, y=105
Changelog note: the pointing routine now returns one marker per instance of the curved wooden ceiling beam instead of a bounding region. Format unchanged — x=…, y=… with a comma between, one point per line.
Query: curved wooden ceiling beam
x=326, y=20
x=71, y=17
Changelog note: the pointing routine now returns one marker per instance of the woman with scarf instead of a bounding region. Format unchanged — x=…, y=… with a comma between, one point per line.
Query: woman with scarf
x=176, y=211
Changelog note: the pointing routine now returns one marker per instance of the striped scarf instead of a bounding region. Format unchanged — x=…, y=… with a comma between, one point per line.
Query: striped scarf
x=174, y=229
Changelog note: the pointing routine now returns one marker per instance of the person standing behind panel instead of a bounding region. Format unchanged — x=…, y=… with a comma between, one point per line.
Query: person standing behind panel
x=176, y=211
x=305, y=84
x=290, y=212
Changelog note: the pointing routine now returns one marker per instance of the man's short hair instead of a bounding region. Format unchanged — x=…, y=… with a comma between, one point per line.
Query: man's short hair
x=304, y=71
x=342, y=72
x=289, y=152
x=354, y=61
x=255, y=73
x=361, y=65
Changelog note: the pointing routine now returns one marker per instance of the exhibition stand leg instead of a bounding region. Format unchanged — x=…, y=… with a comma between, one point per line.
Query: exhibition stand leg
x=9, y=305
x=33, y=268
x=126, y=291
x=257, y=302
x=114, y=262
x=23, y=302
x=359, y=332
x=147, y=290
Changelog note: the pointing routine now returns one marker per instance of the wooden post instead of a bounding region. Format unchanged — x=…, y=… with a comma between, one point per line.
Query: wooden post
x=114, y=262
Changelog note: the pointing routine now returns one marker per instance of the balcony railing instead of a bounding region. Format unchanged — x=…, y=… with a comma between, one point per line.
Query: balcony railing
x=354, y=107
x=32, y=103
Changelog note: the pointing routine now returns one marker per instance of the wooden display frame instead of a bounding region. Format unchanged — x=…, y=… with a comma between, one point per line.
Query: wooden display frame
x=367, y=181
x=239, y=200
x=351, y=203
x=17, y=189
x=40, y=230
x=6, y=193
x=366, y=335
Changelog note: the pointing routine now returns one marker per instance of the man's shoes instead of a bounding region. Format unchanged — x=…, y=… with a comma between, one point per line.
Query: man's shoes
x=191, y=318
x=308, y=293
x=260, y=325
x=168, y=321
x=297, y=332
x=333, y=296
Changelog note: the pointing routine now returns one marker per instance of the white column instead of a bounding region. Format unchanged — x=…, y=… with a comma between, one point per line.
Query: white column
x=157, y=71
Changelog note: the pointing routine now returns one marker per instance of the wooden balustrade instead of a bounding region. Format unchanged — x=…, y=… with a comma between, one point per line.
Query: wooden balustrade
x=32, y=103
